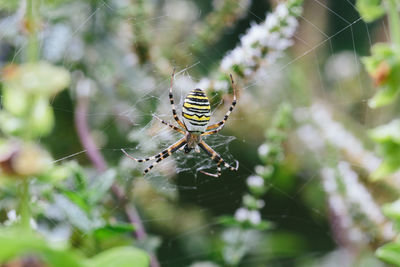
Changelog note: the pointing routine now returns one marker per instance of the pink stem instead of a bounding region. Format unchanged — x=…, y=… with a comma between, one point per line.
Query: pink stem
x=100, y=164
x=85, y=137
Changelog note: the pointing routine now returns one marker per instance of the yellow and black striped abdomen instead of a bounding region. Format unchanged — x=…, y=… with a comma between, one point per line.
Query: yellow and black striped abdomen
x=196, y=111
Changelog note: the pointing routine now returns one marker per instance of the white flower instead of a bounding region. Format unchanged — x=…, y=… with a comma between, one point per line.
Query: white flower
x=273, y=56
x=56, y=42
x=241, y=214
x=256, y=33
x=311, y=137
x=203, y=83
x=358, y=195
x=290, y=28
x=282, y=44
x=33, y=224
x=254, y=217
x=336, y=134
x=248, y=71
x=234, y=57
x=12, y=217
x=221, y=85
x=263, y=150
x=282, y=11
x=351, y=199
x=259, y=169
x=271, y=22
x=261, y=40
x=273, y=38
x=343, y=65
x=260, y=203
x=255, y=181
x=330, y=185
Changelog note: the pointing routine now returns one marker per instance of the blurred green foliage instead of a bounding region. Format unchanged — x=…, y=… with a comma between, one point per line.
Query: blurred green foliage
x=370, y=10
x=384, y=67
x=82, y=79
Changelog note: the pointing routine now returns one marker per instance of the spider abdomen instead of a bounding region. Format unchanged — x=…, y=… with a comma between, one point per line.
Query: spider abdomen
x=196, y=111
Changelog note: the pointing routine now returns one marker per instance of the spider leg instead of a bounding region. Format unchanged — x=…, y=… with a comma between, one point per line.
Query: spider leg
x=171, y=99
x=213, y=174
x=221, y=124
x=217, y=158
x=212, y=132
x=160, y=156
x=167, y=153
x=169, y=125
x=145, y=159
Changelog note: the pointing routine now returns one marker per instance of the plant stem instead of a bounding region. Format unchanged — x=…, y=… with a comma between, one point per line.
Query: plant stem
x=24, y=204
x=394, y=21
x=84, y=134
x=100, y=164
x=32, y=22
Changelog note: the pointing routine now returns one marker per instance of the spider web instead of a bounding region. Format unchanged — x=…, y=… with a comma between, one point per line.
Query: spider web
x=315, y=48
x=155, y=137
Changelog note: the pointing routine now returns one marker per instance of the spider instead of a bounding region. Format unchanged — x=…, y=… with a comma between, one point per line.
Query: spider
x=196, y=114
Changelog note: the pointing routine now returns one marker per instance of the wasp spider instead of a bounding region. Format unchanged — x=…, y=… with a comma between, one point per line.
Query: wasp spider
x=196, y=114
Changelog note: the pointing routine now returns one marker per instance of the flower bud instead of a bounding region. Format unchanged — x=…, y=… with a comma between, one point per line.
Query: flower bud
x=23, y=159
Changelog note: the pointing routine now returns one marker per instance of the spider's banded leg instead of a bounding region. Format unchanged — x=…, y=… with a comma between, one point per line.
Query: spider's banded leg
x=221, y=123
x=170, y=125
x=213, y=174
x=153, y=157
x=217, y=158
x=212, y=132
x=171, y=99
x=145, y=159
x=166, y=153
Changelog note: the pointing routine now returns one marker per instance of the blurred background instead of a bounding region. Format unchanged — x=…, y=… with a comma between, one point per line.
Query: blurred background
x=303, y=194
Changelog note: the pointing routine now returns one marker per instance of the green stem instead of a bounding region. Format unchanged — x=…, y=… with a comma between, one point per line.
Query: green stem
x=32, y=22
x=394, y=21
x=24, y=204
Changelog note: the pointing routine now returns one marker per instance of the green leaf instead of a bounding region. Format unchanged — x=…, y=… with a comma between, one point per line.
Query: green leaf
x=79, y=199
x=392, y=210
x=109, y=231
x=388, y=140
x=264, y=225
x=10, y=124
x=80, y=178
x=379, y=52
x=15, y=101
x=388, y=132
x=390, y=253
x=231, y=221
x=55, y=174
x=43, y=78
x=384, y=67
x=14, y=242
x=228, y=221
x=9, y=5
x=120, y=257
x=75, y=215
x=101, y=186
x=383, y=97
x=370, y=10
x=41, y=118
x=385, y=169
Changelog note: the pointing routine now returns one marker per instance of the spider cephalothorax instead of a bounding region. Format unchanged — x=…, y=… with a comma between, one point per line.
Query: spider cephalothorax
x=192, y=142
x=196, y=115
